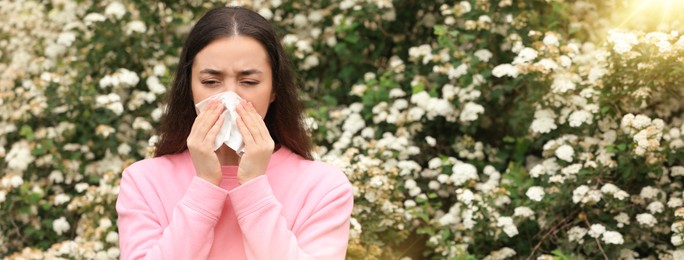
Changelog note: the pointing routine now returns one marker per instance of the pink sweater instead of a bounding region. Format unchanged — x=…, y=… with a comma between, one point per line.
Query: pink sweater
x=298, y=210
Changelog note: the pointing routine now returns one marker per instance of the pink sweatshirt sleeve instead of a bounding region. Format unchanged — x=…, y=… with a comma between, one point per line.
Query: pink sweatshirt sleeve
x=266, y=235
x=189, y=234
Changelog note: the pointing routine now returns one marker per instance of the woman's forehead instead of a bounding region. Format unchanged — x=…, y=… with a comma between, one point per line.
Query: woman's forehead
x=237, y=54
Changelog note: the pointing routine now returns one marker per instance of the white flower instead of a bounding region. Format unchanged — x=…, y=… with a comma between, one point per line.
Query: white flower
x=646, y=219
x=299, y=20
x=422, y=99
x=547, y=64
x=505, y=70
x=128, y=77
x=61, y=199
x=105, y=223
x=447, y=219
x=66, y=38
x=483, y=55
x=92, y=18
x=622, y=219
x=535, y=193
x=123, y=149
x=154, y=85
x=562, y=83
x=409, y=184
x=135, y=27
x=19, y=156
x=266, y=13
x=464, y=7
x=579, y=193
x=677, y=240
x=463, y=172
x=116, y=107
x=470, y=112
x=80, y=187
x=675, y=202
x=649, y=192
x=641, y=121
x=543, y=121
x=524, y=212
x=622, y=42
x=525, y=56
x=612, y=237
x=677, y=254
x=577, y=118
x=60, y=225
x=159, y=69
x=503, y=253
x=576, y=234
x=434, y=185
x=507, y=223
x=115, y=9
x=353, y=123
x=397, y=93
x=431, y=141
x=113, y=253
x=465, y=195
x=290, y=39
x=572, y=169
x=656, y=207
x=609, y=188
x=551, y=40
x=16, y=181
x=565, y=61
x=310, y=62
x=596, y=230
x=457, y=72
x=435, y=163
x=565, y=153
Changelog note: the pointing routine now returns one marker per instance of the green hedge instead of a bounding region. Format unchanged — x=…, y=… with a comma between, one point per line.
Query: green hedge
x=470, y=129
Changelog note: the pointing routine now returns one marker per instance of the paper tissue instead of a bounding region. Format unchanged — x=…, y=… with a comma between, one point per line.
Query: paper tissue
x=229, y=133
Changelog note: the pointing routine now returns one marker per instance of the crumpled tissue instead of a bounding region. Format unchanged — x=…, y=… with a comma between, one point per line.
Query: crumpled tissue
x=229, y=133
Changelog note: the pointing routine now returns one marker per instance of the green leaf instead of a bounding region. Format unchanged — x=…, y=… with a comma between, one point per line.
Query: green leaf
x=27, y=132
x=440, y=29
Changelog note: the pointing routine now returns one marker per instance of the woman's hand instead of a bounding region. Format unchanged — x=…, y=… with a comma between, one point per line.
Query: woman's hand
x=201, y=142
x=258, y=143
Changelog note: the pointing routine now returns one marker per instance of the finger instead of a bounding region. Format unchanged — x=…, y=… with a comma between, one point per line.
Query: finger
x=247, y=137
x=214, y=130
x=209, y=118
x=260, y=123
x=250, y=122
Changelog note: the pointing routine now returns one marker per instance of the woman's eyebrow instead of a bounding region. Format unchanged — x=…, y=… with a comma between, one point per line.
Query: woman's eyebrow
x=211, y=72
x=249, y=72
x=241, y=73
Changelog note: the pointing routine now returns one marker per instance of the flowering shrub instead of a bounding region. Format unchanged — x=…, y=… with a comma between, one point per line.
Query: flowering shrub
x=470, y=129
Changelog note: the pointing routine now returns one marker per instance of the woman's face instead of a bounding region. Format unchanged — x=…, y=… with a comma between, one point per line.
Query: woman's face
x=239, y=64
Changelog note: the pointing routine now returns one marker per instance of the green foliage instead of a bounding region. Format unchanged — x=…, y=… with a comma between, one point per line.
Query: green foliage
x=448, y=117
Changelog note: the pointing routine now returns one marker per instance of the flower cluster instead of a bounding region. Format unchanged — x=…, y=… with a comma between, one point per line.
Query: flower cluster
x=476, y=128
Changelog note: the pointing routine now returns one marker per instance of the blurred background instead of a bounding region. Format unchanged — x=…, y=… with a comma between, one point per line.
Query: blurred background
x=478, y=129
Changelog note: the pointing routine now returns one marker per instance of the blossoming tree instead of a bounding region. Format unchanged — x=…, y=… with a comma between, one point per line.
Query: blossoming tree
x=470, y=129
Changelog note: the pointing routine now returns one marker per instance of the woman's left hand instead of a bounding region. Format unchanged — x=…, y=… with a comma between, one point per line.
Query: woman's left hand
x=258, y=143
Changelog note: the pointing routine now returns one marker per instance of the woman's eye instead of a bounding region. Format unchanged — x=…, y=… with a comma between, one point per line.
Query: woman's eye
x=210, y=82
x=250, y=83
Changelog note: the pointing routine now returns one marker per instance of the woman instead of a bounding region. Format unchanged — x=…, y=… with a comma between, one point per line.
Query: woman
x=273, y=202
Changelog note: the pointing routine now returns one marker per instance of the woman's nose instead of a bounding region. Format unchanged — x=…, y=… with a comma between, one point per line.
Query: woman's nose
x=231, y=85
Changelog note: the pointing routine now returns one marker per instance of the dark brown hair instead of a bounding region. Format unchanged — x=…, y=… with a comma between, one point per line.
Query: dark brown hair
x=284, y=118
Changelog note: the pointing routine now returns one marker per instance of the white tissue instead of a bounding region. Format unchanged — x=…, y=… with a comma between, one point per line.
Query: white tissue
x=229, y=133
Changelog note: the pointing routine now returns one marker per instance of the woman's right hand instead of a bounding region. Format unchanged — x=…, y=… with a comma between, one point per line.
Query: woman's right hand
x=201, y=142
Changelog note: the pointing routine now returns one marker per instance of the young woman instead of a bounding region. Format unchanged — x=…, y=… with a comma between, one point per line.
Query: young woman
x=274, y=201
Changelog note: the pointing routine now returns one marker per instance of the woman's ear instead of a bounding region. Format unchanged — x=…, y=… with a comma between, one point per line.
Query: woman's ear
x=273, y=97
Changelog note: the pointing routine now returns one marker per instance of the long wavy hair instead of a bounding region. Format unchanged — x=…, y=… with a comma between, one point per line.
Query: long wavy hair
x=284, y=119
